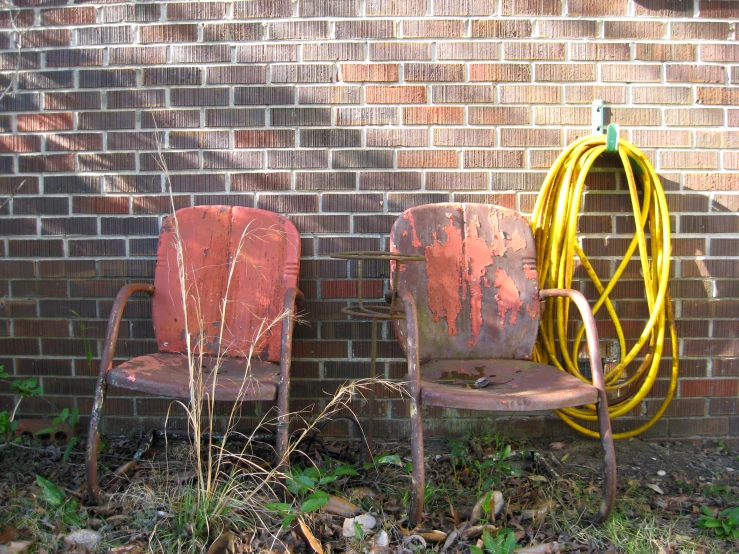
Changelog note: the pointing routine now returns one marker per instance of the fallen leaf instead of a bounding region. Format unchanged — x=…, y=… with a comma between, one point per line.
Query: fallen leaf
x=655, y=488
x=538, y=478
x=8, y=535
x=565, y=457
x=15, y=547
x=557, y=445
x=477, y=530
x=455, y=515
x=224, y=544
x=549, y=548
x=314, y=543
x=126, y=469
x=340, y=507
x=433, y=536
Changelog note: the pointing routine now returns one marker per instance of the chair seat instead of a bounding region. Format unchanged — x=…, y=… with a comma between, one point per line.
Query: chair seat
x=168, y=375
x=515, y=386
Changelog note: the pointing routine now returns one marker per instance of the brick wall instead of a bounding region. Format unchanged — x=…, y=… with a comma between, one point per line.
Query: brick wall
x=341, y=114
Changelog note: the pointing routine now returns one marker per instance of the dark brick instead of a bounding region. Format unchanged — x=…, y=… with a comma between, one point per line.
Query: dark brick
x=195, y=10
x=71, y=184
x=72, y=100
x=102, y=161
x=246, y=200
x=233, y=160
x=107, y=78
x=138, y=13
x=47, y=38
x=141, y=98
x=301, y=73
x=232, y=32
x=129, y=225
x=74, y=141
x=48, y=163
x=35, y=248
x=105, y=35
x=288, y=203
x=264, y=95
x=74, y=58
x=137, y=55
x=209, y=53
x=236, y=74
x=399, y=180
x=98, y=247
x=17, y=226
x=348, y=159
x=352, y=203
x=106, y=120
x=40, y=80
x=20, y=102
x=261, y=53
x=144, y=140
x=198, y=183
x=40, y=206
x=260, y=181
x=172, y=161
x=173, y=76
x=281, y=138
x=133, y=184
x=295, y=117
x=163, y=119
x=69, y=16
x=325, y=181
x=45, y=122
x=235, y=117
x=168, y=33
x=317, y=138
x=297, y=159
x=69, y=226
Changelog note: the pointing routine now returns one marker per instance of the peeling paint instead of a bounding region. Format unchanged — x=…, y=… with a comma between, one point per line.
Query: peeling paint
x=508, y=297
x=517, y=242
x=444, y=266
x=478, y=261
x=416, y=241
x=497, y=243
x=530, y=272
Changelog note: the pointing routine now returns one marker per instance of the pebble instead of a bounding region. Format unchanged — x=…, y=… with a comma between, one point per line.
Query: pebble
x=84, y=537
x=661, y=473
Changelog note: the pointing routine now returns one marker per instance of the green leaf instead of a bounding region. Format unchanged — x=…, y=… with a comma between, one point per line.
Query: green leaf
x=328, y=479
x=47, y=431
x=390, y=459
x=475, y=549
x=287, y=520
x=489, y=542
x=54, y=495
x=358, y=531
x=314, y=502
x=3, y=373
x=706, y=510
x=68, y=450
x=280, y=507
x=303, y=481
x=345, y=470
x=509, y=540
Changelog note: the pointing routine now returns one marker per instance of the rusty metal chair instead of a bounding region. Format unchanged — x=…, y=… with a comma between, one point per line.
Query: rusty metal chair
x=237, y=269
x=471, y=320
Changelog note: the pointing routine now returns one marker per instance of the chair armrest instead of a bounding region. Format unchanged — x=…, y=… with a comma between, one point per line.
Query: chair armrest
x=591, y=330
x=114, y=322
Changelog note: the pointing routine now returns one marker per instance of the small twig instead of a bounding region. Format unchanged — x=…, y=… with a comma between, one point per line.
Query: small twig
x=12, y=194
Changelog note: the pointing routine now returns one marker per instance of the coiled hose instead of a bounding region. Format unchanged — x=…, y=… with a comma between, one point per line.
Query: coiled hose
x=554, y=223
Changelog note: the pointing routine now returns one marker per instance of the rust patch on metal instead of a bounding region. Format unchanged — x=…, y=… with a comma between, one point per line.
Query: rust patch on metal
x=508, y=297
x=444, y=265
x=478, y=261
x=517, y=242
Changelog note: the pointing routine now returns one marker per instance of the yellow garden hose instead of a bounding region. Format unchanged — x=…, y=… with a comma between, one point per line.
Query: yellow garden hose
x=554, y=223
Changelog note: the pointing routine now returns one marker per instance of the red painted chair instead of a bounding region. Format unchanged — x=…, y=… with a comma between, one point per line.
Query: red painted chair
x=249, y=257
x=472, y=315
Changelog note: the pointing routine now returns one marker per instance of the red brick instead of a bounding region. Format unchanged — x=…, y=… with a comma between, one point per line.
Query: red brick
x=436, y=28
x=661, y=95
x=394, y=8
x=666, y=52
x=530, y=137
x=493, y=158
x=455, y=180
x=232, y=32
x=367, y=116
x=369, y=72
x=20, y=143
x=529, y=94
x=640, y=30
x=585, y=94
x=609, y=51
x=428, y=158
x=74, y=141
x=388, y=51
x=282, y=138
x=334, y=8
x=465, y=7
x=631, y=73
x=718, y=9
x=494, y=115
x=695, y=74
x=661, y=139
x=69, y=16
x=477, y=50
x=182, y=11
x=565, y=72
x=168, y=33
x=47, y=38
x=45, y=122
x=433, y=72
x=376, y=29
x=395, y=94
x=263, y=9
x=689, y=160
x=534, y=51
x=50, y=163
x=138, y=55
x=585, y=8
x=331, y=51
x=630, y=117
x=699, y=30
x=694, y=116
x=433, y=115
x=101, y=205
x=500, y=28
x=568, y=28
x=520, y=8
x=200, y=53
x=666, y=8
x=718, y=96
x=719, y=52
x=462, y=94
x=397, y=137
x=709, y=387
x=500, y=72
x=295, y=30
x=556, y=115
x=339, y=94
x=464, y=137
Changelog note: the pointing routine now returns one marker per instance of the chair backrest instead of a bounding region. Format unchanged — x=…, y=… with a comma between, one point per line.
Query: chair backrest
x=477, y=292
x=247, y=256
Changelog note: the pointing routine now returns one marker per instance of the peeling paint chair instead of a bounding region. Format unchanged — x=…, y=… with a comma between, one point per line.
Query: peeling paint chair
x=471, y=320
x=247, y=256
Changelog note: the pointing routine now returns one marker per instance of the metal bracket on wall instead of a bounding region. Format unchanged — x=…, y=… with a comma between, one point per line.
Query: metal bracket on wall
x=598, y=117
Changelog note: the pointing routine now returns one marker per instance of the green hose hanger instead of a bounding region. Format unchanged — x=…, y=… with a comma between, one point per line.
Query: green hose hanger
x=612, y=138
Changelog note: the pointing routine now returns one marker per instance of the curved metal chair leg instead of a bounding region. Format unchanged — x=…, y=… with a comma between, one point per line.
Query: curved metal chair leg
x=606, y=437
x=419, y=470
x=93, y=440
